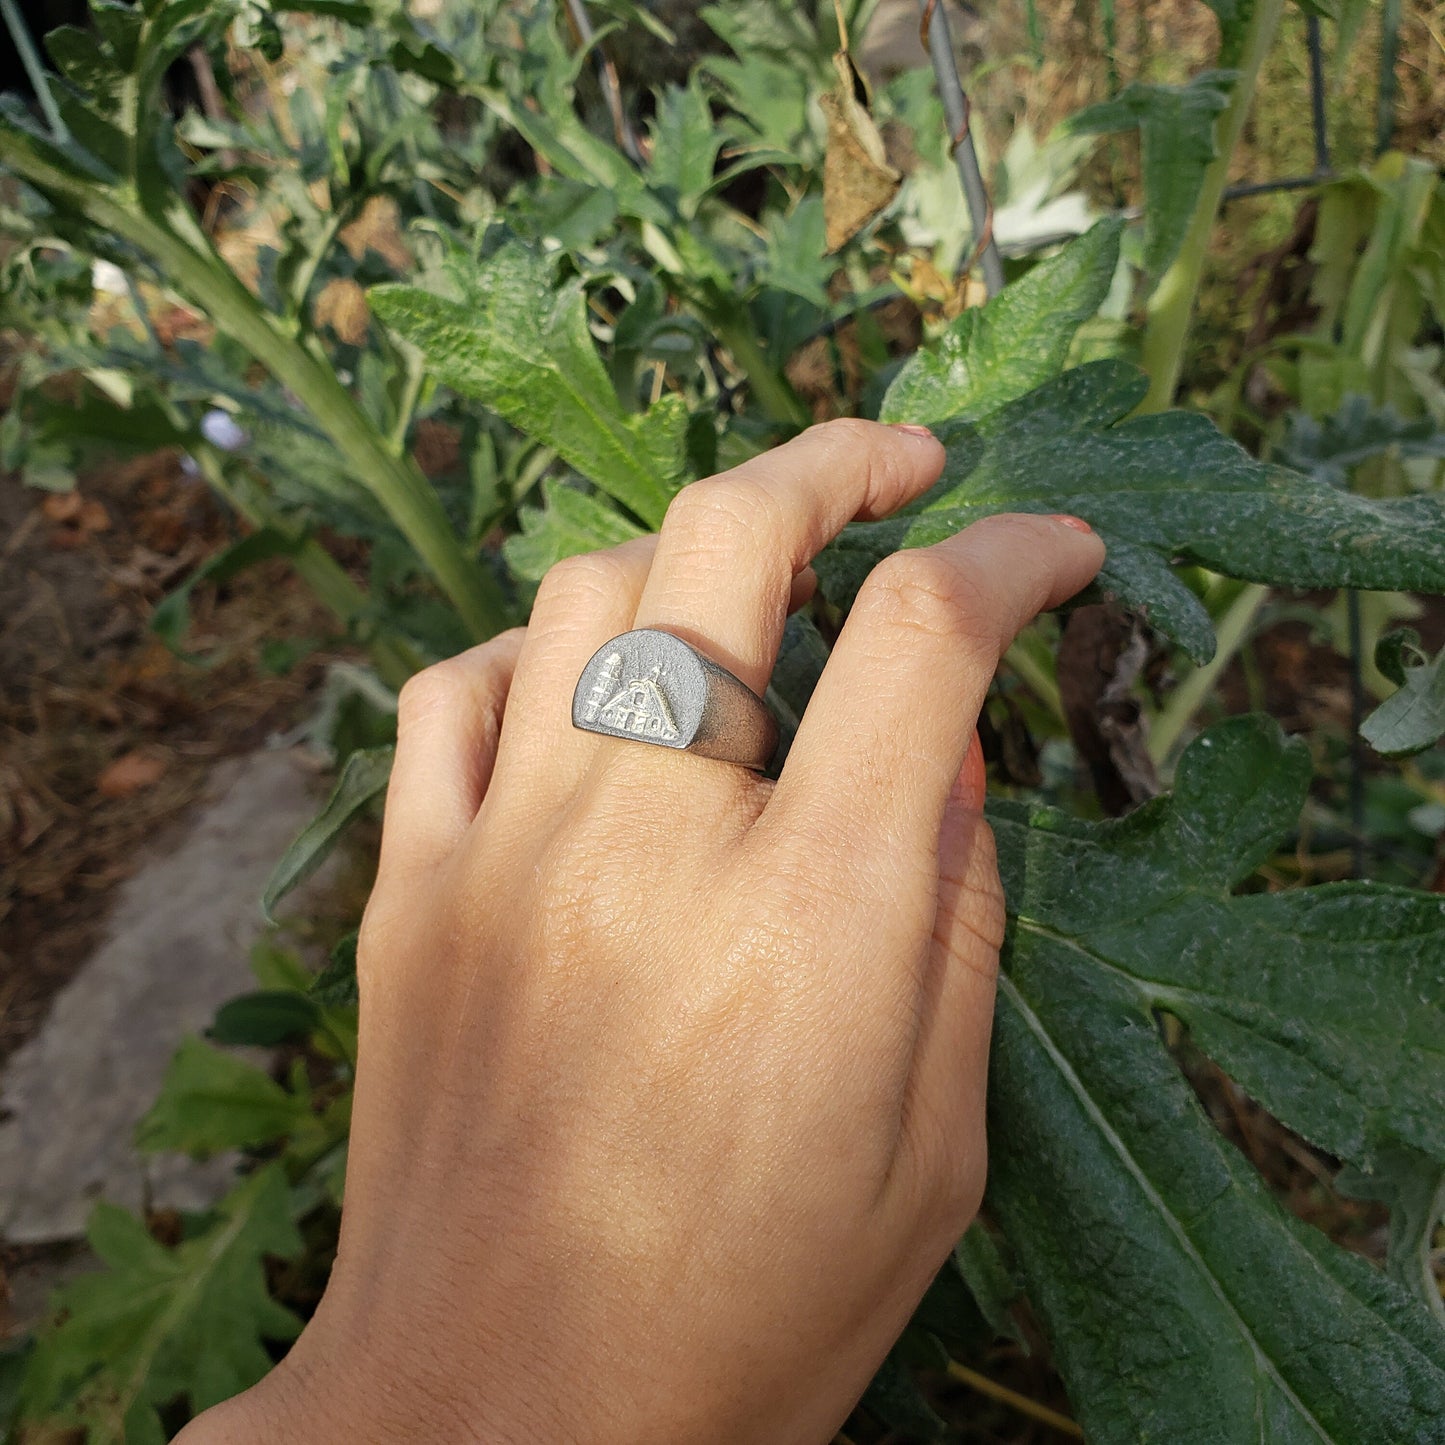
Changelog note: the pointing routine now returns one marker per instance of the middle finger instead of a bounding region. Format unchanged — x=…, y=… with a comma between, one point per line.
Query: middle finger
x=731, y=546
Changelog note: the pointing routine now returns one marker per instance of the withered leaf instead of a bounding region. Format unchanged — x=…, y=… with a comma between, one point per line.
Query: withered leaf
x=858, y=182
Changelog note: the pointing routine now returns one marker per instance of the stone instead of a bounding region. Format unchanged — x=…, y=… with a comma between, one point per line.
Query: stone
x=176, y=947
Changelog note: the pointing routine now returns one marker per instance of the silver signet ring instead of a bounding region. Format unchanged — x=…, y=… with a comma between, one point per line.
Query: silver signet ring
x=653, y=687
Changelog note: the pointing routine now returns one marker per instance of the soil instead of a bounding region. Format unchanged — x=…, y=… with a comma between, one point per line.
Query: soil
x=106, y=734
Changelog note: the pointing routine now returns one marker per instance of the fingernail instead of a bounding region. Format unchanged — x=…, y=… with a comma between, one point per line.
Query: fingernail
x=1077, y=523
x=912, y=429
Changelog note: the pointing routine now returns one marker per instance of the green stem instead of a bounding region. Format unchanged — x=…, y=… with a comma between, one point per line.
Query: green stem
x=769, y=386
x=393, y=658
x=208, y=283
x=34, y=70
x=1232, y=630
x=1171, y=307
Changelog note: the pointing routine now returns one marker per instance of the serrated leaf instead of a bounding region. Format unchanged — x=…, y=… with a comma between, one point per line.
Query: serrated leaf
x=363, y=776
x=1183, y=1303
x=162, y=1323
x=1156, y=488
x=1176, y=138
x=571, y=523
x=518, y=342
x=211, y=1101
x=1412, y=719
x=685, y=145
x=992, y=354
x=1358, y=430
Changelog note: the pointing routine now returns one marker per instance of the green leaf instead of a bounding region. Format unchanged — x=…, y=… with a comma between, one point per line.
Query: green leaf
x=1156, y=488
x=801, y=658
x=993, y=1285
x=163, y=1323
x=1019, y=340
x=571, y=523
x=1183, y=1303
x=894, y=1398
x=212, y=1101
x=1233, y=16
x=265, y=1018
x=685, y=145
x=335, y=985
x=1357, y=431
x=363, y=776
x=518, y=342
x=1176, y=138
x=1412, y=719
x=1413, y=1186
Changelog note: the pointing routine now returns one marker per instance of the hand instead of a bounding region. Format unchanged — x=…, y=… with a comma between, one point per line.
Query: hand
x=671, y=1084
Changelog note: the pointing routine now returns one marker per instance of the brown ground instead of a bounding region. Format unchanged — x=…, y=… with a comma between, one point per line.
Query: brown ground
x=105, y=735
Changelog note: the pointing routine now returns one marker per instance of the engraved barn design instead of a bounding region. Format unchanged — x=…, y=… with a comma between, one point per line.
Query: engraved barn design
x=641, y=708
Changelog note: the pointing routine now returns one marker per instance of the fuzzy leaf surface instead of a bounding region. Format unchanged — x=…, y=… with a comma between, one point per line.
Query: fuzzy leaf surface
x=518, y=342
x=162, y=1323
x=1019, y=340
x=569, y=524
x=1176, y=138
x=1157, y=489
x=1184, y=1303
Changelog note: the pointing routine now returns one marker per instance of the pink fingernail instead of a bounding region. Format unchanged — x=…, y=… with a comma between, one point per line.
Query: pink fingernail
x=912, y=429
x=1077, y=523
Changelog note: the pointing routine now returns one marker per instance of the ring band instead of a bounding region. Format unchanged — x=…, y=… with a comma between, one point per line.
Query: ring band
x=652, y=687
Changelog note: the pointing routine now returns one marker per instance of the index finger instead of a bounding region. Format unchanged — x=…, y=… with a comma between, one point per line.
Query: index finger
x=888, y=726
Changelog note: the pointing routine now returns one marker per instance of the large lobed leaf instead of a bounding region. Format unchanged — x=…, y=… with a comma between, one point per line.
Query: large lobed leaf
x=515, y=340
x=162, y=1323
x=1157, y=489
x=1184, y=1304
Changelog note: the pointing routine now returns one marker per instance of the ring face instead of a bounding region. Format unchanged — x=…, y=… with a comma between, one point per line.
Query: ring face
x=651, y=687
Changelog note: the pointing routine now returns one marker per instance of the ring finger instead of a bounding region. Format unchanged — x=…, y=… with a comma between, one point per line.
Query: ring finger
x=582, y=601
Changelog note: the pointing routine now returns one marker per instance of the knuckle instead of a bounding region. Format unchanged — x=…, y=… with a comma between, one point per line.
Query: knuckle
x=877, y=447
x=436, y=689
x=722, y=514
x=922, y=594
x=583, y=577
x=849, y=434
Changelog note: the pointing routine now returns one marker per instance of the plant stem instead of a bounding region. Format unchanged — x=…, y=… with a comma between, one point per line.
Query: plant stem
x=1171, y=307
x=394, y=659
x=1390, y=17
x=939, y=41
x=34, y=68
x=769, y=386
x=1019, y=1402
x=1233, y=631
x=211, y=285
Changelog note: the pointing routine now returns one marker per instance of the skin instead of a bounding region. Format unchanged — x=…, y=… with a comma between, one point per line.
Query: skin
x=671, y=1083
